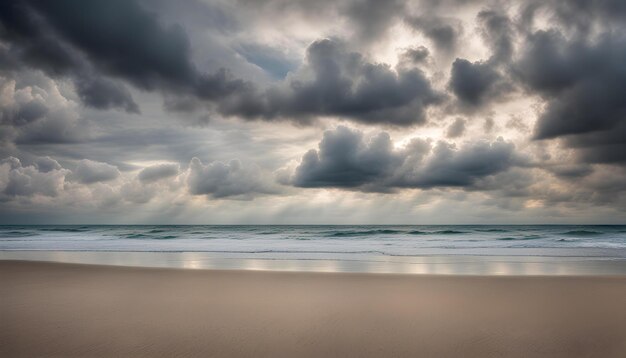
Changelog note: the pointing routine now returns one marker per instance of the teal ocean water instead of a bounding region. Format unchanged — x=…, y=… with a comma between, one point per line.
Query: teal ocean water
x=609, y=241
x=427, y=249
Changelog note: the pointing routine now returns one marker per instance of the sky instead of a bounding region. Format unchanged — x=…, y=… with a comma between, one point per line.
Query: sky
x=312, y=112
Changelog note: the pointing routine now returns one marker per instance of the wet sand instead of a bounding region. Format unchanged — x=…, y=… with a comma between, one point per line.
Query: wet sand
x=71, y=310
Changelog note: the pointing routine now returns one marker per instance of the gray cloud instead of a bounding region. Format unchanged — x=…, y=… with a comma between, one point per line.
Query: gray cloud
x=579, y=16
x=474, y=82
x=479, y=82
x=138, y=192
x=271, y=60
x=372, y=18
x=100, y=184
x=24, y=113
x=19, y=180
x=583, y=83
x=452, y=167
x=47, y=164
x=443, y=32
x=366, y=21
x=337, y=82
x=416, y=55
x=456, y=129
x=334, y=81
x=578, y=68
x=20, y=107
x=345, y=159
x=157, y=172
x=33, y=43
x=605, y=146
x=570, y=171
x=36, y=112
x=76, y=38
x=567, y=57
x=489, y=124
x=498, y=34
x=223, y=180
x=89, y=172
x=152, y=55
x=102, y=93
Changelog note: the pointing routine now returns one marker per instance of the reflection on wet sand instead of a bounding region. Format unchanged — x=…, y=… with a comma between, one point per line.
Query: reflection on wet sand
x=433, y=265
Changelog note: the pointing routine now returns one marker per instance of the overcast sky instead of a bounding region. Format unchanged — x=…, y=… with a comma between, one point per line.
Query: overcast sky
x=312, y=112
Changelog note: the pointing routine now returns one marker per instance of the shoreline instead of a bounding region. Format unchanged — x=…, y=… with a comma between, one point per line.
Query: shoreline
x=484, y=265
x=617, y=276
x=104, y=311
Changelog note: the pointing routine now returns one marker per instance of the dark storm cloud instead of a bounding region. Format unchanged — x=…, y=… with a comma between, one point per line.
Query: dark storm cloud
x=473, y=82
x=476, y=83
x=607, y=146
x=298, y=61
x=117, y=38
x=38, y=47
x=33, y=43
x=122, y=38
x=578, y=66
x=90, y=40
x=345, y=159
x=102, y=93
x=452, y=167
x=443, y=32
x=157, y=172
x=586, y=82
x=583, y=82
x=336, y=82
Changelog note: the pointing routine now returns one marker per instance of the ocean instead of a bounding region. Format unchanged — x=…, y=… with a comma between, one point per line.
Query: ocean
x=370, y=248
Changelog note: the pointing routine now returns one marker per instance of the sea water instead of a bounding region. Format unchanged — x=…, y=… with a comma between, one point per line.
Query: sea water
x=457, y=249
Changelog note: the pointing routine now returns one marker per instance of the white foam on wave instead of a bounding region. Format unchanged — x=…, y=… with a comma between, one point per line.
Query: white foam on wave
x=346, y=241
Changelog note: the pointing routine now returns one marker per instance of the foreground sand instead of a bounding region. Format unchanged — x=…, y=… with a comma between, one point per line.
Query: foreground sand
x=65, y=310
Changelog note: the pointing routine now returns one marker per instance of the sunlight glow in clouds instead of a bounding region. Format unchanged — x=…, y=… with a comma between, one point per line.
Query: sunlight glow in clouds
x=276, y=111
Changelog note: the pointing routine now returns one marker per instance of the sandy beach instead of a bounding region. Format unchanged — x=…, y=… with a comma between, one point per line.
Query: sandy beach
x=69, y=310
